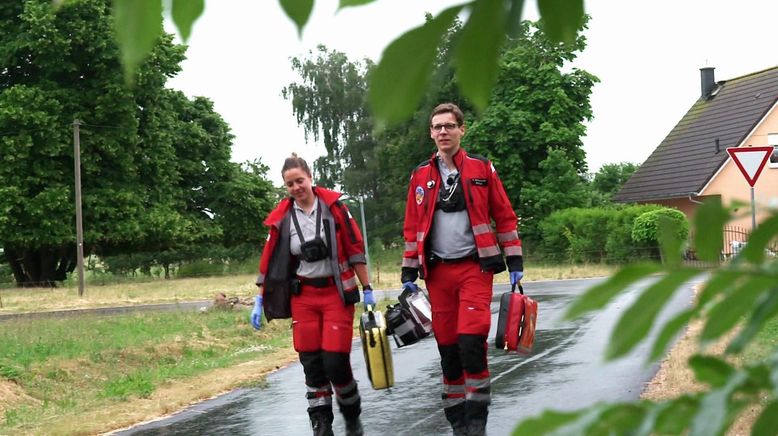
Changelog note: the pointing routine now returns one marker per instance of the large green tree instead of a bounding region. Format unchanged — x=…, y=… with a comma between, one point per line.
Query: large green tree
x=536, y=105
x=561, y=186
x=153, y=161
x=330, y=104
x=609, y=180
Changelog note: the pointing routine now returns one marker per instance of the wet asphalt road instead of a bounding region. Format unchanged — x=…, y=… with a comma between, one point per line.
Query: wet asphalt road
x=565, y=372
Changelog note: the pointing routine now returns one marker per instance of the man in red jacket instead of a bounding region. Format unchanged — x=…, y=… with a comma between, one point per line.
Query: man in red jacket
x=450, y=242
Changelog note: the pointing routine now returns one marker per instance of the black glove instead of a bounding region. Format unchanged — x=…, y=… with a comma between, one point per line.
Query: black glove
x=409, y=274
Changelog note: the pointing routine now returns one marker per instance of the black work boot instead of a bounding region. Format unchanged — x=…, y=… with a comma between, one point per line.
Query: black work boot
x=321, y=423
x=354, y=427
x=456, y=417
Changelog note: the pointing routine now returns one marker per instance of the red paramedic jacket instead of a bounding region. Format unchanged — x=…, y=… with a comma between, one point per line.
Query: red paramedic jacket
x=277, y=265
x=485, y=199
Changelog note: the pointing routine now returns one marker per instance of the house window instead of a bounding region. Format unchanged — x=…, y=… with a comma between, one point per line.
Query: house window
x=772, y=139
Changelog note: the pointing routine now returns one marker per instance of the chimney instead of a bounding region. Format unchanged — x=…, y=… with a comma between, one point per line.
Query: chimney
x=707, y=82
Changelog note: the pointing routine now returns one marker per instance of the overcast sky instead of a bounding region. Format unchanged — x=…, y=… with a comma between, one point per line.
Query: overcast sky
x=647, y=56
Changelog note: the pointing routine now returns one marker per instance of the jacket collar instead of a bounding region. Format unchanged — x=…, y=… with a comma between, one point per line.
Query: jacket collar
x=459, y=157
x=329, y=197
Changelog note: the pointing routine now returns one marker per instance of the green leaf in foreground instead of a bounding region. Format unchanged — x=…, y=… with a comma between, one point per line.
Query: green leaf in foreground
x=759, y=239
x=546, y=423
x=514, y=17
x=721, y=282
x=712, y=417
x=398, y=82
x=636, y=321
x=677, y=415
x=668, y=332
x=347, y=3
x=138, y=25
x=767, y=422
x=670, y=239
x=709, y=220
x=298, y=11
x=598, y=296
x=185, y=13
x=478, y=50
x=562, y=18
x=726, y=313
x=766, y=309
x=711, y=370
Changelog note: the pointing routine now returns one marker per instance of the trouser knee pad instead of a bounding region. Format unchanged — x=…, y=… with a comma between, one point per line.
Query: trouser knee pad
x=450, y=361
x=314, y=369
x=337, y=367
x=472, y=351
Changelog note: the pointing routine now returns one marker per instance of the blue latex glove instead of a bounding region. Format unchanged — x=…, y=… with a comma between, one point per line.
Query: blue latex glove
x=412, y=286
x=256, y=314
x=516, y=277
x=369, y=298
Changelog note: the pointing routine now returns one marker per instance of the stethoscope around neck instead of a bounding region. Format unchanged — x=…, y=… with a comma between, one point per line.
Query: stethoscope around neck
x=453, y=181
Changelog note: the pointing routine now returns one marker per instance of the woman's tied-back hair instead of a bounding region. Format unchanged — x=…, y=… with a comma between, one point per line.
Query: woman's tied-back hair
x=294, y=161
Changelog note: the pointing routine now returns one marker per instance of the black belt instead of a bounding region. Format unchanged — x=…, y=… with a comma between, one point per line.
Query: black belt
x=317, y=282
x=433, y=258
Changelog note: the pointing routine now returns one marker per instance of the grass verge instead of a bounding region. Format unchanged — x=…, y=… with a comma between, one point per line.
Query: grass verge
x=91, y=374
x=675, y=378
x=57, y=368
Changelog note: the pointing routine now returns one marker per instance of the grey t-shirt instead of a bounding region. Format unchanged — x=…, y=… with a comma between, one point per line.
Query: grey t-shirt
x=320, y=268
x=452, y=235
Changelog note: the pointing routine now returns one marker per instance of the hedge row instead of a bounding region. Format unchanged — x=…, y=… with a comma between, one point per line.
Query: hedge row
x=616, y=234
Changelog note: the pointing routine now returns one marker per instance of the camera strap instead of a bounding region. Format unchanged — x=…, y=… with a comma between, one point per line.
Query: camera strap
x=297, y=223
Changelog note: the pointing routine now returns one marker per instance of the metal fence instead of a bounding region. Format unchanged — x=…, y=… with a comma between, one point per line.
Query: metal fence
x=734, y=239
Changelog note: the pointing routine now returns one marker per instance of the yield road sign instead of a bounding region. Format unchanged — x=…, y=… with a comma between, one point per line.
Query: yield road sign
x=750, y=161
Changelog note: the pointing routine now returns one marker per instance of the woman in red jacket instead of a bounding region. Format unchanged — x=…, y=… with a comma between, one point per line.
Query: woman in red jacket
x=309, y=269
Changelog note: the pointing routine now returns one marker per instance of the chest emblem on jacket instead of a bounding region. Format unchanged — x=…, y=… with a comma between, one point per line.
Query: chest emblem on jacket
x=419, y=194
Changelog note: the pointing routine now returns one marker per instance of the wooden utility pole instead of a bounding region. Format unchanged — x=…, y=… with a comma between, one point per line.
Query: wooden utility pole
x=79, y=224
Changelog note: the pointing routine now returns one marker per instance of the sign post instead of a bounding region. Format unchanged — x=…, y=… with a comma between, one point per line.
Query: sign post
x=751, y=161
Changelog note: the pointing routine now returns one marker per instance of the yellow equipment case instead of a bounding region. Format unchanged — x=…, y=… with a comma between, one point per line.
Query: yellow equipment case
x=375, y=345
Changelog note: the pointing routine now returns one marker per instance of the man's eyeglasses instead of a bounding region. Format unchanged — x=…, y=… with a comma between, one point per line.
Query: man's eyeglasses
x=447, y=126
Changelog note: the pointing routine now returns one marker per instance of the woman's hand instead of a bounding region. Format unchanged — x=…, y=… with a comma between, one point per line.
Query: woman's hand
x=369, y=298
x=256, y=314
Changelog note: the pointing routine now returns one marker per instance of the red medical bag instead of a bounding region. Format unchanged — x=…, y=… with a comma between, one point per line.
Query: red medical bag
x=516, y=321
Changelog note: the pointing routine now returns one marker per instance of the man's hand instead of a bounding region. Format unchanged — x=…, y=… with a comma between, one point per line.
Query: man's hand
x=516, y=277
x=369, y=298
x=256, y=314
x=411, y=286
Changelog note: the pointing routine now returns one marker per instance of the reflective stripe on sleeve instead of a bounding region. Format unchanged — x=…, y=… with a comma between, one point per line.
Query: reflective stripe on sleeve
x=508, y=236
x=350, y=283
x=489, y=251
x=410, y=262
x=480, y=229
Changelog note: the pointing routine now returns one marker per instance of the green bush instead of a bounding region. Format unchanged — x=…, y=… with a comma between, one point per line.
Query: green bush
x=594, y=235
x=200, y=268
x=619, y=246
x=5, y=274
x=646, y=226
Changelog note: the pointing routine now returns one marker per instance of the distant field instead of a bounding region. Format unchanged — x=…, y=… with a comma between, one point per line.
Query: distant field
x=123, y=291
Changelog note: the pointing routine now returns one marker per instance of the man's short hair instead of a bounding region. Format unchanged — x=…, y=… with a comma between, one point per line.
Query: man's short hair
x=449, y=108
